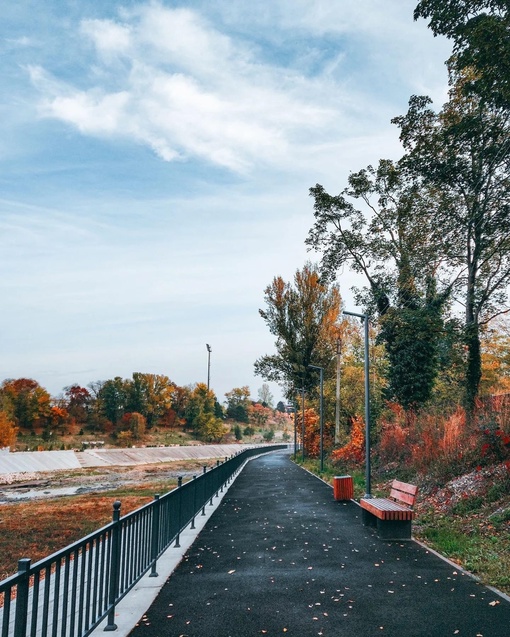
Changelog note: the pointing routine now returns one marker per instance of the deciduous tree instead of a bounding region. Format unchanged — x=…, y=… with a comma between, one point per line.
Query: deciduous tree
x=381, y=226
x=265, y=395
x=480, y=31
x=200, y=414
x=77, y=401
x=8, y=431
x=303, y=316
x=112, y=399
x=29, y=402
x=238, y=403
x=150, y=395
x=463, y=152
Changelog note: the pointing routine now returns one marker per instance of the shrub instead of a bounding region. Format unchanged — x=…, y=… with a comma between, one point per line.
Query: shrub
x=354, y=451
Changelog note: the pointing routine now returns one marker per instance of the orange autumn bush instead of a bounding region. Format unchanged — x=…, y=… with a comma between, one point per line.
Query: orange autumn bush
x=312, y=432
x=354, y=451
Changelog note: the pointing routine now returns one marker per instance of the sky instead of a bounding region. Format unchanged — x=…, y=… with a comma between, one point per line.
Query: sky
x=155, y=163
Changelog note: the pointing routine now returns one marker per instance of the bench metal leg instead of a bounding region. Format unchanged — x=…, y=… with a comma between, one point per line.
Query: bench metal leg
x=368, y=518
x=394, y=529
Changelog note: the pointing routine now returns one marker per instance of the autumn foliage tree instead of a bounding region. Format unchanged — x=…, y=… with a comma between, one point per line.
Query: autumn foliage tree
x=77, y=400
x=8, y=431
x=303, y=317
x=200, y=414
x=238, y=403
x=27, y=402
x=354, y=451
x=312, y=432
x=134, y=423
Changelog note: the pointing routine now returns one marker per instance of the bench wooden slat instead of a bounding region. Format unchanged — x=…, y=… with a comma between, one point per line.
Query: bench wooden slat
x=403, y=497
x=386, y=509
x=405, y=487
x=397, y=507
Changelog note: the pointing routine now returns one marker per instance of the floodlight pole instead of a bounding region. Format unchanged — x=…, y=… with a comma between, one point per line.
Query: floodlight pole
x=365, y=321
x=321, y=412
x=209, y=350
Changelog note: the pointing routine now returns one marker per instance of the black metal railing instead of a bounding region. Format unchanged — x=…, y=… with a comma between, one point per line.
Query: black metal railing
x=71, y=592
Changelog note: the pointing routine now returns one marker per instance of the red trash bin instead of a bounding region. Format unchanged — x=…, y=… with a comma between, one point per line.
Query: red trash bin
x=343, y=488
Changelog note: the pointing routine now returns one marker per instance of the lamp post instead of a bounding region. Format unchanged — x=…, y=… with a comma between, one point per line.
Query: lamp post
x=295, y=428
x=368, y=487
x=208, y=364
x=337, y=396
x=303, y=422
x=321, y=412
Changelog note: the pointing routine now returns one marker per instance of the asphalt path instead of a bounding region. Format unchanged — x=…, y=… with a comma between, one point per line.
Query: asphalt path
x=280, y=557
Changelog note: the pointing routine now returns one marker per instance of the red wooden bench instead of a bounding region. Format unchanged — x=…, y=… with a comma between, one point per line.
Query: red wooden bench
x=393, y=515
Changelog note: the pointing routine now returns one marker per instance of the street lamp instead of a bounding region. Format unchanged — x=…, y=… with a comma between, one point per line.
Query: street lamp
x=365, y=319
x=321, y=412
x=295, y=428
x=208, y=364
x=302, y=390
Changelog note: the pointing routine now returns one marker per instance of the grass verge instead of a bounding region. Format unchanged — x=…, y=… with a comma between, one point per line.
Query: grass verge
x=479, y=543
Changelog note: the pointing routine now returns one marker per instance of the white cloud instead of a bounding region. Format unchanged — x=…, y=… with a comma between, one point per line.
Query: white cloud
x=109, y=38
x=188, y=90
x=113, y=261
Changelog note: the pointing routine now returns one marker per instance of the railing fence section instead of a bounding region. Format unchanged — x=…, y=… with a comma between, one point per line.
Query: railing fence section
x=71, y=592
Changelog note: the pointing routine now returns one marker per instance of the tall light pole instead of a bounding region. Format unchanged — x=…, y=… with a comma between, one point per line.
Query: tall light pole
x=295, y=427
x=321, y=412
x=368, y=487
x=337, y=407
x=303, y=422
x=208, y=364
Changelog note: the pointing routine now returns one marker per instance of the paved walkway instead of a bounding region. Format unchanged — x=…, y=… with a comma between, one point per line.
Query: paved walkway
x=280, y=557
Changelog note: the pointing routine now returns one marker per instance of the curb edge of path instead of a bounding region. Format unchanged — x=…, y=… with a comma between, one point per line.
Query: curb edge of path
x=460, y=568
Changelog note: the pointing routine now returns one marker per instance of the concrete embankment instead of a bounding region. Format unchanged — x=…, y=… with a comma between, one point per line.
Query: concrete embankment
x=14, y=465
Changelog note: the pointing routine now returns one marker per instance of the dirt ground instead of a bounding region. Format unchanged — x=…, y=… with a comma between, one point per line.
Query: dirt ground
x=96, y=480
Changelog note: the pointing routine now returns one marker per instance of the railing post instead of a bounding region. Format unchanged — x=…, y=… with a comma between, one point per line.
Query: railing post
x=204, y=487
x=20, y=621
x=155, y=535
x=114, y=567
x=194, y=502
x=179, y=514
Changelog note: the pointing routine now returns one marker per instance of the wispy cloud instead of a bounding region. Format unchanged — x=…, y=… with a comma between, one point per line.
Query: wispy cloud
x=156, y=159
x=187, y=90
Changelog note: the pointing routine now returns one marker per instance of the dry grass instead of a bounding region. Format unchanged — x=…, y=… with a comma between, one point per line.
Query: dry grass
x=37, y=529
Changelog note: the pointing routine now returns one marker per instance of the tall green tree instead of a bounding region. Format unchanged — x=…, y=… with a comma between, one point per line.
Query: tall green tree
x=200, y=413
x=480, y=31
x=381, y=226
x=112, y=399
x=150, y=395
x=238, y=402
x=303, y=317
x=463, y=153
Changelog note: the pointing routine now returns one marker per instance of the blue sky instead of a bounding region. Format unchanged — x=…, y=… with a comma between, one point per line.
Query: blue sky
x=155, y=161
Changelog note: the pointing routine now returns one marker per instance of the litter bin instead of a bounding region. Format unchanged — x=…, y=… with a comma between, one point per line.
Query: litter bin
x=343, y=488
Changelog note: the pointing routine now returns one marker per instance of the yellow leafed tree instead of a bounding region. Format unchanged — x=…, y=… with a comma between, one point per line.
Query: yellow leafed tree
x=8, y=431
